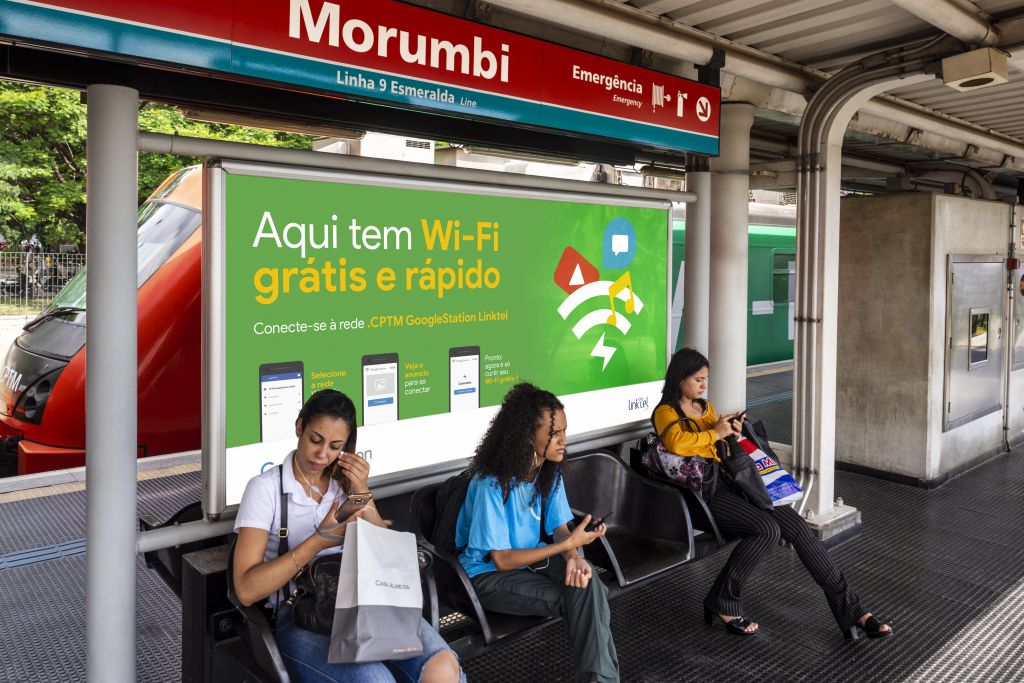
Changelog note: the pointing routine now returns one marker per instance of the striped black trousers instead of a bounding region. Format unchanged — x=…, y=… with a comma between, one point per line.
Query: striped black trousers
x=760, y=531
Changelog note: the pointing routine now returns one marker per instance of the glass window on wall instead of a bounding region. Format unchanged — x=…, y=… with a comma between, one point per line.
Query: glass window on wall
x=783, y=277
x=978, y=342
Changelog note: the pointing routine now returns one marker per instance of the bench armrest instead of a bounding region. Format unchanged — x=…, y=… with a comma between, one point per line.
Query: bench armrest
x=454, y=587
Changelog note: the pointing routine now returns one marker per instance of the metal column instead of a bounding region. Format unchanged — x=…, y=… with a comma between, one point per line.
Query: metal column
x=697, y=279
x=728, y=297
x=819, y=167
x=111, y=383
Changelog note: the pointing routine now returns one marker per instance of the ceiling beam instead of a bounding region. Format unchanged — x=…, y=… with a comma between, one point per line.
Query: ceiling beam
x=972, y=27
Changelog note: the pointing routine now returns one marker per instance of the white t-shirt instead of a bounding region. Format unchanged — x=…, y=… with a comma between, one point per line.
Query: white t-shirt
x=259, y=509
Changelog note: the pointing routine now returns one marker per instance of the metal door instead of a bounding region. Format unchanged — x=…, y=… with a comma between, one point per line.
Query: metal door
x=974, y=337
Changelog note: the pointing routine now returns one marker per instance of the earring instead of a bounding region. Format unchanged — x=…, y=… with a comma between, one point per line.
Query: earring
x=537, y=460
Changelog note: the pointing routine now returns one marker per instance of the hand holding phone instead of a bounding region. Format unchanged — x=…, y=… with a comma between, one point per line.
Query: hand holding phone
x=352, y=505
x=596, y=522
x=739, y=416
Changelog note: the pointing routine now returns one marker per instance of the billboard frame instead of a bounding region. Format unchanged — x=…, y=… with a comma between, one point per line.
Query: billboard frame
x=215, y=172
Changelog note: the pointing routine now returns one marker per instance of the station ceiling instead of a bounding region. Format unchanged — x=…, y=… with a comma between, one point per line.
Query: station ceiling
x=823, y=36
x=776, y=53
x=829, y=35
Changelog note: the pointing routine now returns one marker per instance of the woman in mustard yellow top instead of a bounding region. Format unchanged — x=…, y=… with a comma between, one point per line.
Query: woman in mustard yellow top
x=690, y=427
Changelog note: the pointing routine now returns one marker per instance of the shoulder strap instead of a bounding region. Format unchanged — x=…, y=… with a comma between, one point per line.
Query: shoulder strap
x=689, y=421
x=282, y=535
x=544, y=535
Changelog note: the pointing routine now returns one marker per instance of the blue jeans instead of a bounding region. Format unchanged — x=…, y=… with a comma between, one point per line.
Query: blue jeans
x=305, y=657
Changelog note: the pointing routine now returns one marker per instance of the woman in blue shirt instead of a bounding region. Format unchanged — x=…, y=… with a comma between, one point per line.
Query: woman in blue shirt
x=517, y=482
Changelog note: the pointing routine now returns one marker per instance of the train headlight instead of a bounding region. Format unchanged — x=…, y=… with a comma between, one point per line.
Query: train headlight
x=30, y=406
x=32, y=403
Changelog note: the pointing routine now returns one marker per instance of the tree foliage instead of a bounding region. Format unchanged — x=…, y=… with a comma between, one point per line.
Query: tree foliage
x=43, y=158
x=42, y=164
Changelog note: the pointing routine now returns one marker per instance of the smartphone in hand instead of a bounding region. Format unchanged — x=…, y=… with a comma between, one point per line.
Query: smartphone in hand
x=739, y=417
x=598, y=521
x=352, y=505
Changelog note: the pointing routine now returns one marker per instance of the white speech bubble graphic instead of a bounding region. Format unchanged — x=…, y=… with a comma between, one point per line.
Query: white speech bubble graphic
x=620, y=244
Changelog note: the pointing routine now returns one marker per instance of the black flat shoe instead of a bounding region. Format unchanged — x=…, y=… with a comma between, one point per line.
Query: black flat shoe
x=736, y=625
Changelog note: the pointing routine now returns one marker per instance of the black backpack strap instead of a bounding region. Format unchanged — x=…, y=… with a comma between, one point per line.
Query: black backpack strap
x=282, y=534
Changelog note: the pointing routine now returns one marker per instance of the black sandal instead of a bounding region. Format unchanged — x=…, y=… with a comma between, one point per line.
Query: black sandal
x=872, y=628
x=736, y=625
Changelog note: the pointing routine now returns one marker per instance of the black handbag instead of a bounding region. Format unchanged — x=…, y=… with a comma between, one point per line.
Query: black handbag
x=742, y=471
x=316, y=584
x=316, y=592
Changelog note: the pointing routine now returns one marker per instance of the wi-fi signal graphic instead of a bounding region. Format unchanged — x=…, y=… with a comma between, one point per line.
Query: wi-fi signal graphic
x=601, y=316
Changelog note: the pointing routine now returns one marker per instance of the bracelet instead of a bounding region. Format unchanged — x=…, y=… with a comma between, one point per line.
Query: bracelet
x=295, y=562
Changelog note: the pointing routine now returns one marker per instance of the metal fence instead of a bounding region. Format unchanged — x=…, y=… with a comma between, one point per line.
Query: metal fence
x=29, y=281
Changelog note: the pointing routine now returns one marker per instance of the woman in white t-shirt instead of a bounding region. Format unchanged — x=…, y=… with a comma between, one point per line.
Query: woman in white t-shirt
x=316, y=478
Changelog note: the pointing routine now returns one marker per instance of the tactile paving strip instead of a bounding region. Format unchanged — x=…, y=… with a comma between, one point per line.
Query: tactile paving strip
x=39, y=522
x=773, y=384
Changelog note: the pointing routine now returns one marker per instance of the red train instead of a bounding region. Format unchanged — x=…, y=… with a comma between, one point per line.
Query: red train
x=42, y=393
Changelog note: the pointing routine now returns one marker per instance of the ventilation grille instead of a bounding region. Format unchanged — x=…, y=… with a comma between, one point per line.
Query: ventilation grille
x=418, y=144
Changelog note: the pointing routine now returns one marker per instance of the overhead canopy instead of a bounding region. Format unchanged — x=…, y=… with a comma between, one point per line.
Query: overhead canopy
x=381, y=52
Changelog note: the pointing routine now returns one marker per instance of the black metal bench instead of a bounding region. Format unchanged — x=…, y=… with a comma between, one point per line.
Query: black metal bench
x=701, y=517
x=455, y=593
x=650, y=532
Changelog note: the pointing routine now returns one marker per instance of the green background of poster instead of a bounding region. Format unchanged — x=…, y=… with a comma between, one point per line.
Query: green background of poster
x=533, y=344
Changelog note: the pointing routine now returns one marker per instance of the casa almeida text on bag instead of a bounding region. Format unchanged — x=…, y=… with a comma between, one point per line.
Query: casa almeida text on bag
x=380, y=602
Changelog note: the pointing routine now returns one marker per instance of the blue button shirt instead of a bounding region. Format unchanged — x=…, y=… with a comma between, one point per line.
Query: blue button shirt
x=486, y=522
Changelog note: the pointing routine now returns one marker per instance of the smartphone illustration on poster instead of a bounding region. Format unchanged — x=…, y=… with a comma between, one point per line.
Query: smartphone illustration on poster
x=281, y=392
x=380, y=388
x=463, y=378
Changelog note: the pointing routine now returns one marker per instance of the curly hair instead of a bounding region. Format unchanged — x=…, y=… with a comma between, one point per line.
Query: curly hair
x=336, y=405
x=506, y=450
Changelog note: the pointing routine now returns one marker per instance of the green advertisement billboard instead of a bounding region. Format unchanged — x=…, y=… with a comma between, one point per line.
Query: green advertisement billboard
x=425, y=303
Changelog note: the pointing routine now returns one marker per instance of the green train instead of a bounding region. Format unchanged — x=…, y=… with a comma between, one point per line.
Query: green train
x=771, y=282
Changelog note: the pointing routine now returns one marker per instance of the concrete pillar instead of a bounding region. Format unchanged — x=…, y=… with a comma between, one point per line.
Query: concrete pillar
x=730, y=187
x=697, y=279
x=111, y=383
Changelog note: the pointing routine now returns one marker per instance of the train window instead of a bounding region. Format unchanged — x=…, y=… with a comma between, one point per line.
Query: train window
x=977, y=343
x=162, y=229
x=783, y=277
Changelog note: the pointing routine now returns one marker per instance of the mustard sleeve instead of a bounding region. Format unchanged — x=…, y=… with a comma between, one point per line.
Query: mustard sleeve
x=679, y=440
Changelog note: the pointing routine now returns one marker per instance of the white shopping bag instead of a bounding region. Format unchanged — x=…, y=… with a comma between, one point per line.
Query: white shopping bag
x=380, y=602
